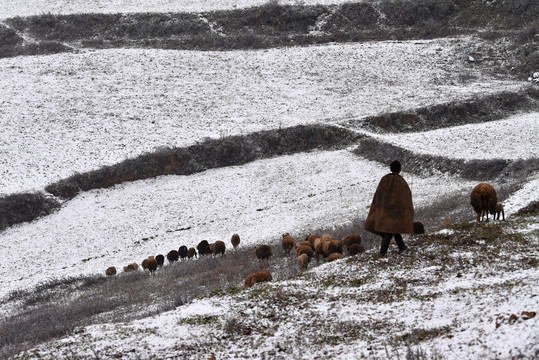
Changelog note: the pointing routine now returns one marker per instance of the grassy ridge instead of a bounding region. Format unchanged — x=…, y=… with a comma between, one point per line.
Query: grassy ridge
x=212, y=153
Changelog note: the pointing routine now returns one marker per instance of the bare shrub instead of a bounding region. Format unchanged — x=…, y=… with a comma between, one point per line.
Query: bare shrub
x=23, y=207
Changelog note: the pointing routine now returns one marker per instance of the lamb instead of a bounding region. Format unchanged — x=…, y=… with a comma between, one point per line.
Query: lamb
x=300, y=244
x=219, y=248
x=419, y=228
x=235, y=240
x=334, y=256
x=263, y=252
x=110, y=271
x=355, y=249
x=287, y=243
x=173, y=256
x=131, y=267
x=182, y=251
x=191, y=253
x=351, y=239
x=483, y=200
x=303, y=260
x=499, y=210
x=204, y=248
x=258, y=277
x=160, y=260
x=150, y=264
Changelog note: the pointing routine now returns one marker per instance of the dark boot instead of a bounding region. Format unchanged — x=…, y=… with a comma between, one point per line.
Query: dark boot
x=386, y=239
x=400, y=243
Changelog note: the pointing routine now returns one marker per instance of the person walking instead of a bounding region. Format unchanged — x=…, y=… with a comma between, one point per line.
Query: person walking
x=392, y=211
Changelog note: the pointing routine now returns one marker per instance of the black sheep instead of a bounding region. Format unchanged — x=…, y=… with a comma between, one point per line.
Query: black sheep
x=173, y=256
x=204, y=248
x=182, y=251
x=160, y=260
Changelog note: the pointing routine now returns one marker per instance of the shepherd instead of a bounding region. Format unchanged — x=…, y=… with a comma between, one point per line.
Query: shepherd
x=392, y=211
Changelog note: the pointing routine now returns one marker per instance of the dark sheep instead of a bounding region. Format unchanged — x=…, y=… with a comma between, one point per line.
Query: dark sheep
x=204, y=248
x=160, y=260
x=263, y=252
x=182, y=251
x=191, y=253
x=258, y=277
x=351, y=239
x=110, y=271
x=219, y=248
x=419, y=228
x=173, y=256
x=235, y=240
x=356, y=249
x=483, y=200
x=150, y=264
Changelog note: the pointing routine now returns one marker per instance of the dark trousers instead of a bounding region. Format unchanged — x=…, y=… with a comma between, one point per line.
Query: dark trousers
x=386, y=239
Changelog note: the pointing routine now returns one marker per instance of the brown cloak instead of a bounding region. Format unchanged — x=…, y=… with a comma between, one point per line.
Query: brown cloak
x=391, y=210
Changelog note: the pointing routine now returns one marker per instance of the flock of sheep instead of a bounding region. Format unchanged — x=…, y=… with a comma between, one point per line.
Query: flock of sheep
x=313, y=246
x=203, y=248
x=483, y=200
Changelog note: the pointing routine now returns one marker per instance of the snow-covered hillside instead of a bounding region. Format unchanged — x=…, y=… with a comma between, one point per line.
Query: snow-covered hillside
x=76, y=112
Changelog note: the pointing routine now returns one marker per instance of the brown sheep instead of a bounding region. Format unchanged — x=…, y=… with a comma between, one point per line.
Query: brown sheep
x=303, y=261
x=258, y=277
x=483, y=200
x=263, y=252
x=182, y=251
x=303, y=243
x=110, y=271
x=351, y=239
x=173, y=256
x=288, y=243
x=219, y=247
x=150, y=264
x=330, y=247
x=131, y=267
x=419, y=228
x=191, y=253
x=334, y=256
x=319, y=247
x=356, y=249
x=305, y=249
x=235, y=240
x=499, y=210
x=160, y=260
x=311, y=238
x=212, y=246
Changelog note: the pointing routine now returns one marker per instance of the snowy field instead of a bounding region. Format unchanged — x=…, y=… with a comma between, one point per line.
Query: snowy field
x=12, y=8
x=76, y=112
x=513, y=138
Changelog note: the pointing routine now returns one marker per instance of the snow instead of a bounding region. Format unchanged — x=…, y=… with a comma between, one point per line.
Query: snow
x=513, y=138
x=11, y=8
x=79, y=111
